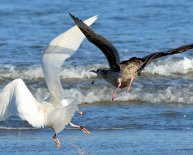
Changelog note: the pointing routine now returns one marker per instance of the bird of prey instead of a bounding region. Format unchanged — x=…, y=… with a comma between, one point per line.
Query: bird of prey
x=121, y=74
x=15, y=97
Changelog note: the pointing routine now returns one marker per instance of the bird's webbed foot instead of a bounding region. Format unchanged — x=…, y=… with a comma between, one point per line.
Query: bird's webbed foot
x=114, y=95
x=130, y=83
x=85, y=130
x=81, y=128
x=128, y=89
x=56, y=140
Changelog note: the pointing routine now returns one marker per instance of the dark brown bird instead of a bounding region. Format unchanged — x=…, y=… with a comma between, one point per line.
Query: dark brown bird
x=121, y=74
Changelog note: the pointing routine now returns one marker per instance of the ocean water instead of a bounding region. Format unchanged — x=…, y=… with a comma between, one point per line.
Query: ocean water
x=154, y=118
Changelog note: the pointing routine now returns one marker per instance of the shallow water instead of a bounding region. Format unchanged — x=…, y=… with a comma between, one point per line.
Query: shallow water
x=154, y=118
x=101, y=142
x=115, y=129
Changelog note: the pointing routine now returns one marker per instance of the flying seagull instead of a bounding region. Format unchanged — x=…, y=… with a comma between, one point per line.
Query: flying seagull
x=121, y=74
x=57, y=113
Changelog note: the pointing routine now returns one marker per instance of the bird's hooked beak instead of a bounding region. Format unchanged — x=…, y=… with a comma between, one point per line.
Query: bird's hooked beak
x=93, y=71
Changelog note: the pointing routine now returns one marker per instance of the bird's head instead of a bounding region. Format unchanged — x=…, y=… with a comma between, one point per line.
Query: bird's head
x=101, y=72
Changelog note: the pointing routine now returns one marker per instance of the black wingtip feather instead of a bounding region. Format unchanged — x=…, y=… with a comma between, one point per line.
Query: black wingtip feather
x=103, y=44
x=72, y=16
x=75, y=19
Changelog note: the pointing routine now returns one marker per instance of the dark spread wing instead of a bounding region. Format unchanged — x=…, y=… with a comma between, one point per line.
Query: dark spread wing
x=171, y=52
x=143, y=62
x=103, y=44
x=147, y=59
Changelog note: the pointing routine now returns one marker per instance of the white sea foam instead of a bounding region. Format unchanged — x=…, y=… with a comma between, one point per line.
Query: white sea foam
x=101, y=93
x=169, y=95
x=165, y=67
x=35, y=72
x=169, y=67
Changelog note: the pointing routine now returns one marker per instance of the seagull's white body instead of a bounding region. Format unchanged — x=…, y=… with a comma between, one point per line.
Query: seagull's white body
x=16, y=98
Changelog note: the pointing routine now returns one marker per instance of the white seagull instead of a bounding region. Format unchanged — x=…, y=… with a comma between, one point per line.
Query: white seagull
x=58, y=112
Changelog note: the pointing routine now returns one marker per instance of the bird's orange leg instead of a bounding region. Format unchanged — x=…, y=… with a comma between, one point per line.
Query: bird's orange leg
x=56, y=140
x=114, y=95
x=130, y=83
x=81, y=128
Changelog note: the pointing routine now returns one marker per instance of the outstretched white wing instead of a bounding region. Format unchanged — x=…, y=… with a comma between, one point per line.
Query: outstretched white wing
x=16, y=98
x=59, y=49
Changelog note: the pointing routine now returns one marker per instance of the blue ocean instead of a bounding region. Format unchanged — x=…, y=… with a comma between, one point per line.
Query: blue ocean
x=156, y=117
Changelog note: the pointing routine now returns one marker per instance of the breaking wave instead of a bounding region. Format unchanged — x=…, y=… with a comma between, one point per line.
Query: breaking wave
x=102, y=94
x=162, y=92
x=170, y=67
x=35, y=72
x=166, y=67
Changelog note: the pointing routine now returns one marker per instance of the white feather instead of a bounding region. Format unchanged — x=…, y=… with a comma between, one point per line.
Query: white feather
x=59, y=49
x=26, y=105
x=16, y=98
